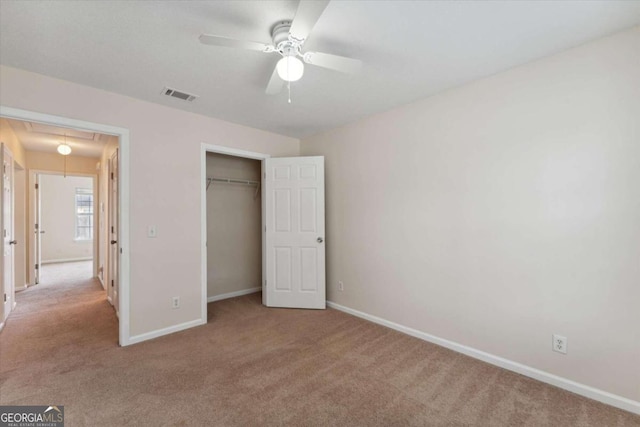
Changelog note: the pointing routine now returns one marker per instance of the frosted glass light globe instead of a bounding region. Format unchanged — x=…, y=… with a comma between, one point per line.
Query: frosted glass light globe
x=290, y=69
x=64, y=149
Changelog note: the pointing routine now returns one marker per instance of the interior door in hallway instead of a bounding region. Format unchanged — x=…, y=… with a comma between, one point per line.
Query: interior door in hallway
x=294, y=227
x=38, y=231
x=114, y=246
x=7, y=226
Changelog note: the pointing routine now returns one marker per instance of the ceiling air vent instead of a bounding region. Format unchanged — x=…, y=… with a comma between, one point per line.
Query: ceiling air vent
x=177, y=94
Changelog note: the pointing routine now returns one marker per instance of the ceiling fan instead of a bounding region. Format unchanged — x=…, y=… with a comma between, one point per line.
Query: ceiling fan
x=288, y=38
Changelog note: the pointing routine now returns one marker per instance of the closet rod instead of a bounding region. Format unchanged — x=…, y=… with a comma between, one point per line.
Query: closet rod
x=211, y=179
x=231, y=180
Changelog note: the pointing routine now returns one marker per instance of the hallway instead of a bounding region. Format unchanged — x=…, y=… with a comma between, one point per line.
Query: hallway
x=64, y=316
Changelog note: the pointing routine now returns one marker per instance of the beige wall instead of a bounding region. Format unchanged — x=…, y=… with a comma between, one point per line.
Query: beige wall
x=11, y=140
x=501, y=212
x=20, y=230
x=57, y=195
x=165, y=183
x=234, y=221
x=54, y=162
x=8, y=137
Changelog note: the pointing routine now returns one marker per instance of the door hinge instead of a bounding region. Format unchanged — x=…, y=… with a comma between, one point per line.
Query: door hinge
x=112, y=175
x=37, y=267
x=120, y=251
x=112, y=228
x=112, y=283
x=265, y=175
x=36, y=227
x=5, y=297
x=36, y=186
x=4, y=232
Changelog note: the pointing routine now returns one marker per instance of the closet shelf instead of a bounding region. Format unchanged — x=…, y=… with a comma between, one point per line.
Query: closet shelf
x=211, y=179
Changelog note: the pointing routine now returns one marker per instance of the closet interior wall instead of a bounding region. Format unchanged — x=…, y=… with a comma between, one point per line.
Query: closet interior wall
x=234, y=221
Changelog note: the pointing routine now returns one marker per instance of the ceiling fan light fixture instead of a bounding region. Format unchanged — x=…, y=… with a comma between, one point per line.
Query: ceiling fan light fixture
x=290, y=69
x=64, y=149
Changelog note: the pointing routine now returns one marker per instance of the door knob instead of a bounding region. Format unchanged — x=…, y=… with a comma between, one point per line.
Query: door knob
x=113, y=242
x=319, y=239
x=13, y=242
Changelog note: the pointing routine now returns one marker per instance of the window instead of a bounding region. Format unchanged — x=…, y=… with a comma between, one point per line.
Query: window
x=84, y=214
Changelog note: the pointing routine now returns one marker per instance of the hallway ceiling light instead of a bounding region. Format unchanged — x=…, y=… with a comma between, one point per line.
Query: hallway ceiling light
x=64, y=149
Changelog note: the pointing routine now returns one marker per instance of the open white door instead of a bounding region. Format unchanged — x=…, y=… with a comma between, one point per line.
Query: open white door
x=6, y=225
x=38, y=231
x=114, y=246
x=294, y=227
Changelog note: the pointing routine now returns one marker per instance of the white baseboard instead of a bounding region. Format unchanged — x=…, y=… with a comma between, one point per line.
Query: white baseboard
x=1, y=326
x=233, y=294
x=58, y=261
x=566, y=384
x=165, y=331
x=109, y=300
x=101, y=282
x=177, y=328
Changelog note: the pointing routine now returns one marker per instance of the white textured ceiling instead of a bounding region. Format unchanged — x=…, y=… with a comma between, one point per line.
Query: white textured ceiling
x=41, y=137
x=411, y=49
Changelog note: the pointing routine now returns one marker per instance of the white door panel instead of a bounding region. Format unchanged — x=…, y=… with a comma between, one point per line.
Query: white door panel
x=7, y=229
x=294, y=221
x=113, y=287
x=38, y=231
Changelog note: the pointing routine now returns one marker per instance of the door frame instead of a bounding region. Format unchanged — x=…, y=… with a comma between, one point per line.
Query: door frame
x=32, y=216
x=124, y=332
x=219, y=149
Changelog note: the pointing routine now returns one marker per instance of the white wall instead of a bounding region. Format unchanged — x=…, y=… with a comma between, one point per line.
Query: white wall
x=498, y=213
x=57, y=197
x=165, y=183
x=234, y=222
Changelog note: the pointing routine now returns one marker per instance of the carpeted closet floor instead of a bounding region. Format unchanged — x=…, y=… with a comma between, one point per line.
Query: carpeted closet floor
x=254, y=366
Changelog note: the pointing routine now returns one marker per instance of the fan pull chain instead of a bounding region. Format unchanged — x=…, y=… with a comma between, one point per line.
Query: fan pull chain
x=289, y=88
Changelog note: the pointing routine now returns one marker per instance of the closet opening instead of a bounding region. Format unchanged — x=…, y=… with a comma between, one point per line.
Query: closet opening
x=234, y=226
x=262, y=222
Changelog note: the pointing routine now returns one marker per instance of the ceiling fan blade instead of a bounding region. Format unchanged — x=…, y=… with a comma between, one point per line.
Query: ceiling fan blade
x=333, y=62
x=307, y=15
x=229, y=42
x=275, y=83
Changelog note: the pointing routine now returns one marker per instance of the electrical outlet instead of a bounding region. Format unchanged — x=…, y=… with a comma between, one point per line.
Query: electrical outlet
x=340, y=286
x=175, y=302
x=559, y=344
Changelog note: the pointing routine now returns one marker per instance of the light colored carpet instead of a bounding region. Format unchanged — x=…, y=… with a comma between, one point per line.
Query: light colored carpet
x=251, y=365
